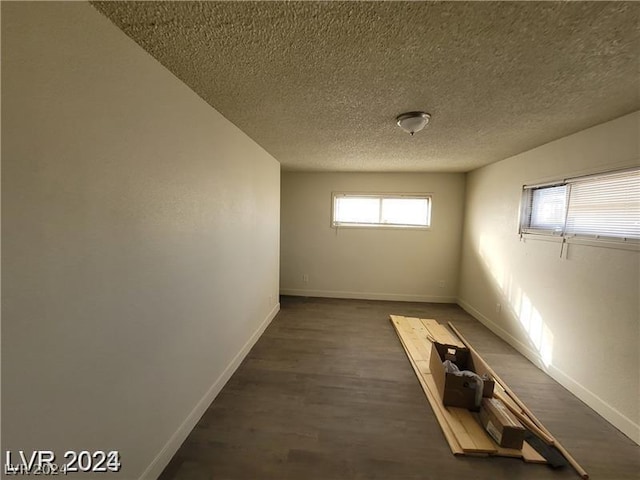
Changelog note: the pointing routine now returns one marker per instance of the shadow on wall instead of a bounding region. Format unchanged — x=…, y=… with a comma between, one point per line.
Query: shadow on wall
x=520, y=306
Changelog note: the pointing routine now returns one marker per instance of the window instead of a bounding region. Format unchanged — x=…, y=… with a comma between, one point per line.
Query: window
x=596, y=206
x=381, y=210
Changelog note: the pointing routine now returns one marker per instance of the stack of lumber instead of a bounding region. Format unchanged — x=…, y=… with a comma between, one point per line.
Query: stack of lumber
x=461, y=428
x=463, y=432
x=555, y=452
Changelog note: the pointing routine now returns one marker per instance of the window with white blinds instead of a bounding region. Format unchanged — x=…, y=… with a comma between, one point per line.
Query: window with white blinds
x=598, y=206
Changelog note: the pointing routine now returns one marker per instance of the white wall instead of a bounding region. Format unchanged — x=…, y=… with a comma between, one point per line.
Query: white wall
x=581, y=310
x=369, y=263
x=140, y=242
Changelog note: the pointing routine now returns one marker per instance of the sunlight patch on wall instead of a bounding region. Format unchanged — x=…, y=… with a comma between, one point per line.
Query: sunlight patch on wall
x=487, y=250
x=519, y=305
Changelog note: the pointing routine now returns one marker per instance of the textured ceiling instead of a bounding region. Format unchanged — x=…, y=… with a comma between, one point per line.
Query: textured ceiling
x=319, y=84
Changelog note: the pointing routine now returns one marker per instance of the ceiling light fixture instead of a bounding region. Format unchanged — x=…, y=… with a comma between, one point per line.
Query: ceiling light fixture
x=412, y=122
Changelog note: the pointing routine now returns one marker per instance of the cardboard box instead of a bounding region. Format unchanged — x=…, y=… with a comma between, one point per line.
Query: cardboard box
x=457, y=391
x=501, y=424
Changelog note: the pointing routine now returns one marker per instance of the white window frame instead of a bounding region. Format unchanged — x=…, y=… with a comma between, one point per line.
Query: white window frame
x=561, y=234
x=381, y=196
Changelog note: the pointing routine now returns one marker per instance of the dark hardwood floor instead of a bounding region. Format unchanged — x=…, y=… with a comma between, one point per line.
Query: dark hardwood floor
x=328, y=393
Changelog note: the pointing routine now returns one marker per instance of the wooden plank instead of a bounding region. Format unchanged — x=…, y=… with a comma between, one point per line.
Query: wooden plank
x=419, y=335
x=454, y=445
x=479, y=436
x=507, y=452
x=462, y=432
x=530, y=455
x=418, y=326
x=423, y=367
x=446, y=429
x=463, y=437
x=524, y=419
x=428, y=323
x=416, y=350
x=574, y=463
x=445, y=418
x=435, y=332
x=527, y=453
x=408, y=331
x=501, y=382
x=441, y=334
x=407, y=325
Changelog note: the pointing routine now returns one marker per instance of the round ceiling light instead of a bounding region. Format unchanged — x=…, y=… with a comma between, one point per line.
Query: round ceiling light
x=412, y=122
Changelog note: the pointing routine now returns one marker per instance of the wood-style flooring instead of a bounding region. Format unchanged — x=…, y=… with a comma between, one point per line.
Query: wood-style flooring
x=328, y=393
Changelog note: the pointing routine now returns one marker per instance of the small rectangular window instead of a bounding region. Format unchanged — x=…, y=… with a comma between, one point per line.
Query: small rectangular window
x=596, y=206
x=548, y=207
x=381, y=210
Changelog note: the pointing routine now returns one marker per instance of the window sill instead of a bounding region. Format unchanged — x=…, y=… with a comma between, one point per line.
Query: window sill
x=381, y=227
x=630, y=245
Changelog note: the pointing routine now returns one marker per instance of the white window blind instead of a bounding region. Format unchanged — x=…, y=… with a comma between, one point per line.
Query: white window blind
x=606, y=206
x=602, y=206
x=381, y=210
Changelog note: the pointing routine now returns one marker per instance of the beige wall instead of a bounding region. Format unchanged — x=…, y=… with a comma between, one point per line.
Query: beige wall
x=580, y=313
x=140, y=242
x=391, y=264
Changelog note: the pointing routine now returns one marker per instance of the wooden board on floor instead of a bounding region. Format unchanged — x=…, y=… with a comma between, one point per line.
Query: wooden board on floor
x=405, y=339
x=416, y=331
x=530, y=455
x=441, y=334
x=413, y=337
x=481, y=440
x=461, y=429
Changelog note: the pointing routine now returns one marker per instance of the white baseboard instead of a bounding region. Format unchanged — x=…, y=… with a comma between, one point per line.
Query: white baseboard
x=607, y=411
x=159, y=463
x=523, y=348
x=397, y=297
